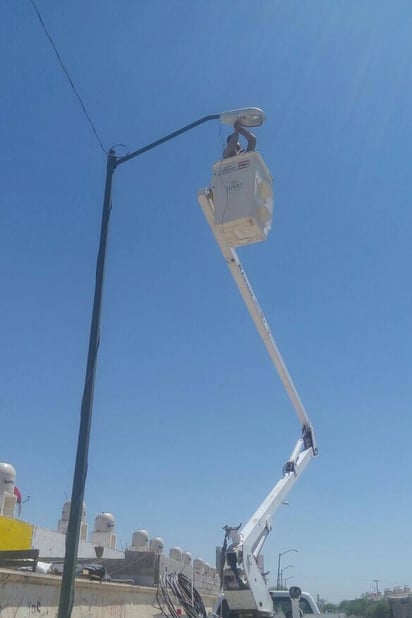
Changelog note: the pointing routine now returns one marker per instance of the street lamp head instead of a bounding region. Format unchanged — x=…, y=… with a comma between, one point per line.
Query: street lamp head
x=287, y=551
x=290, y=566
x=247, y=117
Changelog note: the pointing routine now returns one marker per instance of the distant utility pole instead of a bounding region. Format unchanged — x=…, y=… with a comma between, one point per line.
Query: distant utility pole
x=376, y=585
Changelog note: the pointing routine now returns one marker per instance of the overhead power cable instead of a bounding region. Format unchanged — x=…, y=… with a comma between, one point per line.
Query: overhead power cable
x=66, y=72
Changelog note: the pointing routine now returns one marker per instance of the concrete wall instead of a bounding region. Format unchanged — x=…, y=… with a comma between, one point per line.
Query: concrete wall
x=401, y=606
x=144, y=568
x=25, y=595
x=52, y=544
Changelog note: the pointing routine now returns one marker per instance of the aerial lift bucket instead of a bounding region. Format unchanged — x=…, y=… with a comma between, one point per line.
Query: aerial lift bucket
x=243, y=198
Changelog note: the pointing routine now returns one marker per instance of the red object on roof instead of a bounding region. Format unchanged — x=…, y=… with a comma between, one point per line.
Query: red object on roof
x=17, y=494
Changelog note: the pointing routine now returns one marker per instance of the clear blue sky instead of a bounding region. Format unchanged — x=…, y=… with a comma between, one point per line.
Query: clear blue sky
x=191, y=425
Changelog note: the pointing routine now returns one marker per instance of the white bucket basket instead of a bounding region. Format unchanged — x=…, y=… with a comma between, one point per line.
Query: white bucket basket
x=243, y=198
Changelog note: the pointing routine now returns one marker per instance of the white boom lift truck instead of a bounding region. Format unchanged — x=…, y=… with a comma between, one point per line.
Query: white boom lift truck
x=238, y=207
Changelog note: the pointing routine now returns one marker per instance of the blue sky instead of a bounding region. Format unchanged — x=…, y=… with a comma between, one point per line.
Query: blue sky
x=191, y=425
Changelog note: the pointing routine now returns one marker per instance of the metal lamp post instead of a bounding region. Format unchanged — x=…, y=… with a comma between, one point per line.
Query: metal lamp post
x=278, y=581
x=287, y=579
x=282, y=581
x=248, y=117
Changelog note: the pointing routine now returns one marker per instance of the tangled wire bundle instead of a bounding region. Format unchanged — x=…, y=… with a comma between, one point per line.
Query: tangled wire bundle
x=177, y=587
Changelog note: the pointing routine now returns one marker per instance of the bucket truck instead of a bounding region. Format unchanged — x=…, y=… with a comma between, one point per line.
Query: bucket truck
x=238, y=207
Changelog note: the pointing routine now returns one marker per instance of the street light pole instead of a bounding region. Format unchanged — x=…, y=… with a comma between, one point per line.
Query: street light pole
x=287, y=579
x=247, y=117
x=282, y=581
x=80, y=471
x=278, y=581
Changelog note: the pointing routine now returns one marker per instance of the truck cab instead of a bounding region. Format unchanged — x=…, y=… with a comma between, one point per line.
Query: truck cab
x=282, y=605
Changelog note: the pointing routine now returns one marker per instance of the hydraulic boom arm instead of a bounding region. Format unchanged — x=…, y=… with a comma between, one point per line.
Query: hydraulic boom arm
x=243, y=583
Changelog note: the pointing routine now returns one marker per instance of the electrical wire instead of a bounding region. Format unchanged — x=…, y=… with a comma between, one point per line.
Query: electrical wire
x=220, y=179
x=220, y=136
x=66, y=72
x=174, y=587
x=222, y=162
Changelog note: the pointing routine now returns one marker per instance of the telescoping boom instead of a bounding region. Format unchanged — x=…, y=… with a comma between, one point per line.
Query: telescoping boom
x=236, y=208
